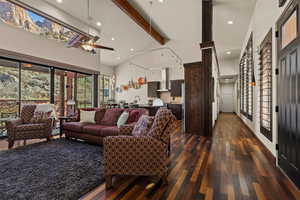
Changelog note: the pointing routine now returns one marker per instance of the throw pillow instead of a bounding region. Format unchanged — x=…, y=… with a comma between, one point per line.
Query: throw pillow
x=133, y=116
x=142, y=127
x=87, y=116
x=40, y=116
x=111, y=117
x=122, y=119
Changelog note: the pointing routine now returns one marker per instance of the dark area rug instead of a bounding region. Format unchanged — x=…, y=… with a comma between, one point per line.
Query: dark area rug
x=60, y=169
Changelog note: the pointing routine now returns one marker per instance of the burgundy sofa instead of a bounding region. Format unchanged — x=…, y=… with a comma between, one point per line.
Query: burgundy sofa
x=106, y=124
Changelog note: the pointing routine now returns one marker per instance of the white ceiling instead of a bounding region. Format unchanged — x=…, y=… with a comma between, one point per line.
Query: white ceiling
x=178, y=20
x=231, y=37
x=183, y=30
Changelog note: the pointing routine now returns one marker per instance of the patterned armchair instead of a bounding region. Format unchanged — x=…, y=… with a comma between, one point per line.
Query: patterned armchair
x=23, y=129
x=144, y=155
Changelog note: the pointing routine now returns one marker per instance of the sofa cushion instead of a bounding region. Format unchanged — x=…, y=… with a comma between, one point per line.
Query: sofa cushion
x=30, y=127
x=110, y=131
x=111, y=117
x=162, y=118
x=27, y=112
x=93, y=129
x=74, y=126
x=99, y=115
x=142, y=127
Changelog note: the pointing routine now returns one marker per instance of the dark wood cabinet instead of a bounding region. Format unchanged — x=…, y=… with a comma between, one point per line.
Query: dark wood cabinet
x=176, y=110
x=176, y=90
x=152, y=88
x=197, y=97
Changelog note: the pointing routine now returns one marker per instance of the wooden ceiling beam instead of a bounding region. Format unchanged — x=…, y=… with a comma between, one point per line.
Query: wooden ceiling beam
x=134, y=14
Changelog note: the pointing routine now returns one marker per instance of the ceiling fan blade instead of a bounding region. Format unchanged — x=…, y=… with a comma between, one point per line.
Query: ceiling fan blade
x=102, y=47
x=95, y=39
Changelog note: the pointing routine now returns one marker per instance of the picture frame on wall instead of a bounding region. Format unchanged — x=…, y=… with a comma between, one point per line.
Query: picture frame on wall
x=281, y=3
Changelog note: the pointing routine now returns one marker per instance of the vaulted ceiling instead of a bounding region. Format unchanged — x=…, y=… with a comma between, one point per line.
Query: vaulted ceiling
x=177, y=20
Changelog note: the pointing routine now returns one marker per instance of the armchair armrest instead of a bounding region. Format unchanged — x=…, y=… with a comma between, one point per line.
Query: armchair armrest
x=129, y=155
x=10, y=126
x=127, y=129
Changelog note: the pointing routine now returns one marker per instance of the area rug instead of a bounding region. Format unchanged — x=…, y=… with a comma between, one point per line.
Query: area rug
x=60, y=170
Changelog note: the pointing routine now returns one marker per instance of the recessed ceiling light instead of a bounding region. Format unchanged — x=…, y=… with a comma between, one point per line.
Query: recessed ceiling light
x=99, y=24
x=118, y=58
x=112, y=38
x=131, y=49
x=59, y=1
x=228, y=52
x=160, y=1
x=230, y=22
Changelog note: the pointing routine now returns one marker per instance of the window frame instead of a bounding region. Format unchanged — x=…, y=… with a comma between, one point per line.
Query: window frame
x=246, y=76
x=266, y=49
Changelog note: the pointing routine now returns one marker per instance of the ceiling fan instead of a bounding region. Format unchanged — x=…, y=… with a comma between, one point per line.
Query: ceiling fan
x=87, y=43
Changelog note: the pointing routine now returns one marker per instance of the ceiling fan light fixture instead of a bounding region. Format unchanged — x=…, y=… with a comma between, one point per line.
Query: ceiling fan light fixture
x=87, y=47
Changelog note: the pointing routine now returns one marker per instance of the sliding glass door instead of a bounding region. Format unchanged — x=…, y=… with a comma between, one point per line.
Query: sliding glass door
x=26, y=83
x=84, y=90
x=9, y=92
x=35, y=84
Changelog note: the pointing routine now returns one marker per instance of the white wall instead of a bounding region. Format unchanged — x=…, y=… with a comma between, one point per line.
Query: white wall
x=216, y=103
x=229, y=66
x=264, y=18
x=127, y=72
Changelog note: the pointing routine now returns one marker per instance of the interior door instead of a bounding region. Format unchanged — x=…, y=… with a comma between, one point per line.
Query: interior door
x=227, y=98
x=288, y=45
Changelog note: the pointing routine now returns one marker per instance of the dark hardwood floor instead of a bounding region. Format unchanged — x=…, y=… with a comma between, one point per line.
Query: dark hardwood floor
x=234, y=165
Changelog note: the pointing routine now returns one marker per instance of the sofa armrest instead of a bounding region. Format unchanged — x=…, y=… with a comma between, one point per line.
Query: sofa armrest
x=127, y=129
x=130, y=155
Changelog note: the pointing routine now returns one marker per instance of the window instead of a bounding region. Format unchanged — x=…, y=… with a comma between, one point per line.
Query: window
x=30, y=21
x=84, y=90
x=266, y=86
x=105, y=88
x=289, y=30
x=246, y=80
x=35, y=84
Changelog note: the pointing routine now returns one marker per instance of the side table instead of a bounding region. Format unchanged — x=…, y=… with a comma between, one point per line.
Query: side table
x=62, y=120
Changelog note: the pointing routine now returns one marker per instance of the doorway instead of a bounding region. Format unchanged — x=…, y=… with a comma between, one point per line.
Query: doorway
x=227, y=97
x=288, y=48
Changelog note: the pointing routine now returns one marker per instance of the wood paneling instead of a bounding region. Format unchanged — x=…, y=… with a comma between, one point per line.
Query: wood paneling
x=134, y=14
x=196, y=81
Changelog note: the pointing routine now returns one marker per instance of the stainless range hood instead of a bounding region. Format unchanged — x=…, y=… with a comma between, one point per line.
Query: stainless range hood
x=164, y=84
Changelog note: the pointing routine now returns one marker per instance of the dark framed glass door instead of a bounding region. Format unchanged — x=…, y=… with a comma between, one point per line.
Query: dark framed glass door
x=288, y=48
